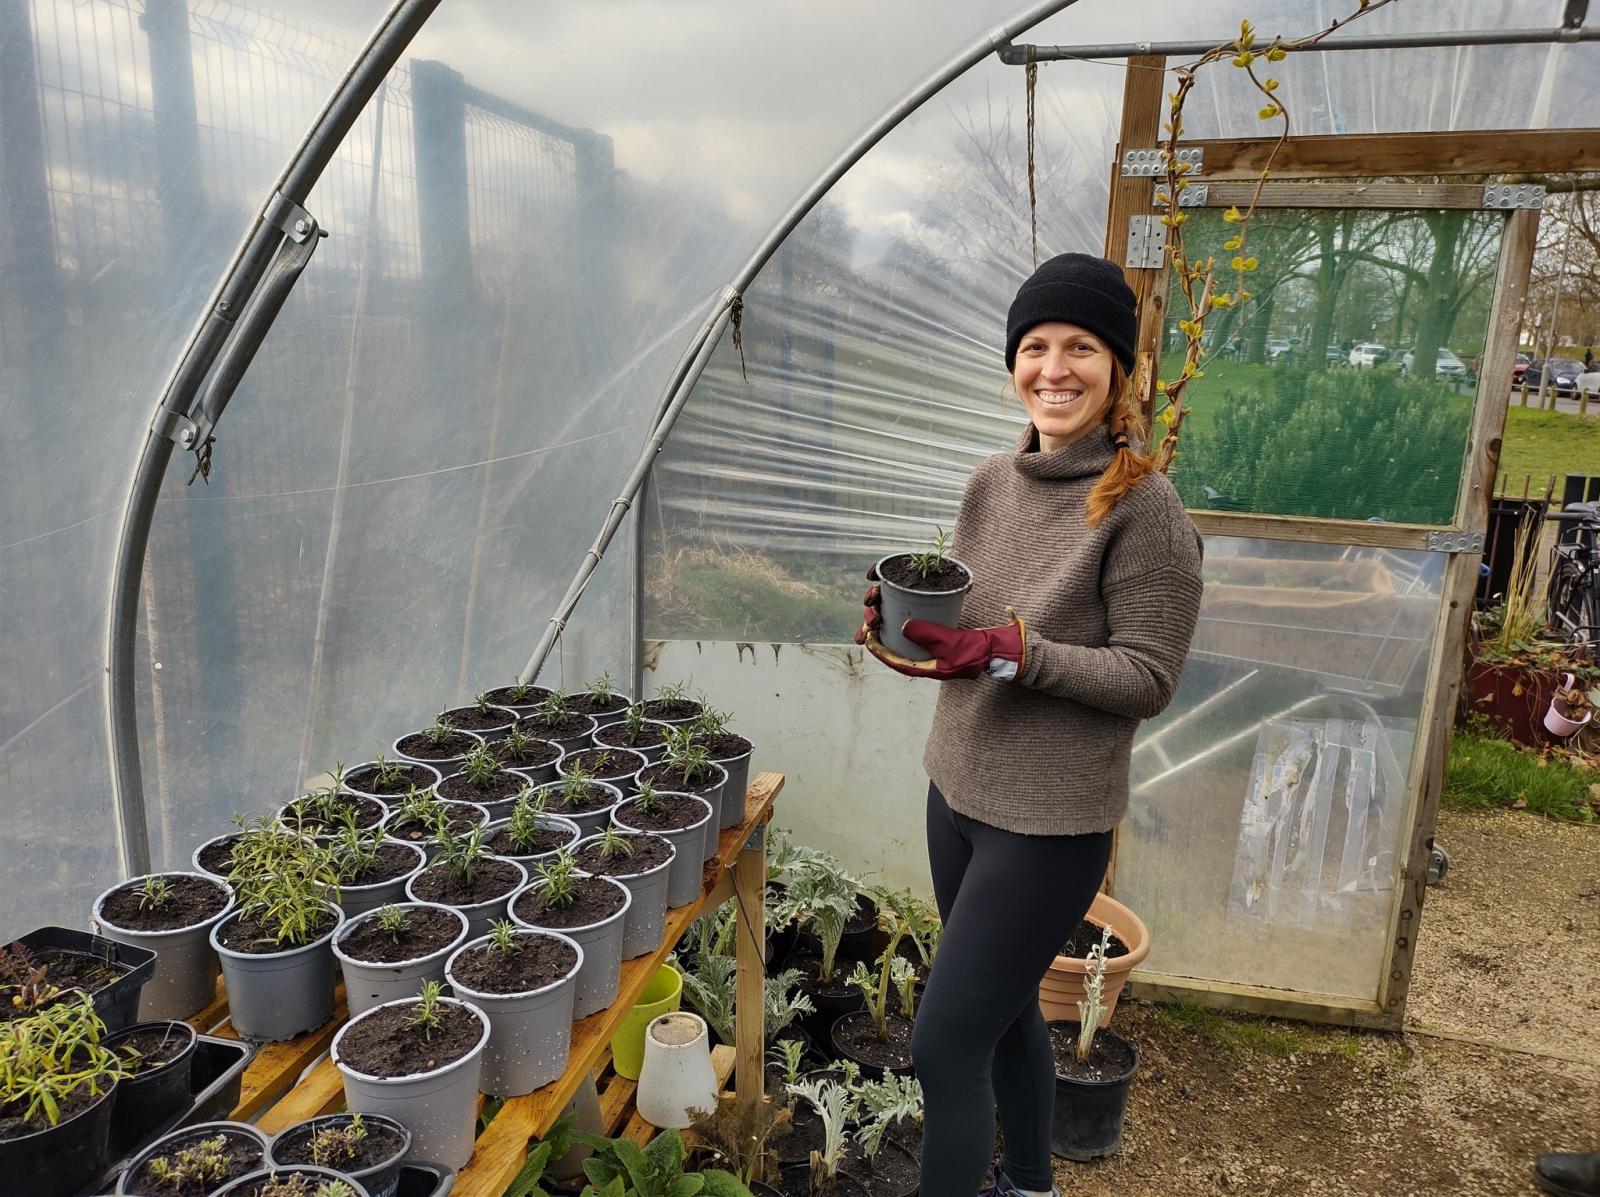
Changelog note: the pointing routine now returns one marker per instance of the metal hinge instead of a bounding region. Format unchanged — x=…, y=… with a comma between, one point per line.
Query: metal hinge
x=1513, y=195
x=1455, y=542
x=1147, y=164
x=1193, y=196
x=757, y=841
x=1147, y=243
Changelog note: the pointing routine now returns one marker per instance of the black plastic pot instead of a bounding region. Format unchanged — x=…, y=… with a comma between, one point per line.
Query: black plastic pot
x=870, y=1173
x=149, y=1101
x=1089, y=1113
x=829, y=1007
x=117, y=1004
x=419, y=1179
x=381, y=1180
x=795, y=1181
x=178, y=1139
x=870, y=1070
x=62, y=1159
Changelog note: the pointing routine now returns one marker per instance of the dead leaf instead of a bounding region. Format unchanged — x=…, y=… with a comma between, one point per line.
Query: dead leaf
x=1516, y=690
x=1520, y=804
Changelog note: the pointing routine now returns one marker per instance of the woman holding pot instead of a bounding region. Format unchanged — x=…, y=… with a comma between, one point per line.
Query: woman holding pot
x=1085, y=595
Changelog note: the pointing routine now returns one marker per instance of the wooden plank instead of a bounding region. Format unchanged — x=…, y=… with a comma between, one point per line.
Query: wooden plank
x=1437, y=719
x=722, y=1063
x=1382, y=155
x=277, y=1066
x=1316, y=531
x=1350, y=194
x=750, y=937
x=321, y=1092
x=616, y=1099
x=503, y=1147
x=1262, y=1000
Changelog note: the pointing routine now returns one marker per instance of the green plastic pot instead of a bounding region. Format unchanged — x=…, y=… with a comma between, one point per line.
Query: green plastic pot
x=663, y=995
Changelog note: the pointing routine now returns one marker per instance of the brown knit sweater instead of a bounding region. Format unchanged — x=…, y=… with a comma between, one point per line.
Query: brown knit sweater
x=1109, y=610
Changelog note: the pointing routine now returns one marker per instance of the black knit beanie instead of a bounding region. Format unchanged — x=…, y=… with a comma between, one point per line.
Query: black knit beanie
x=1076, y=289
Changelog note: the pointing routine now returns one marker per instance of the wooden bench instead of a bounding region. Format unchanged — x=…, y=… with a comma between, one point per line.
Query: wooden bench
x=291, y=1081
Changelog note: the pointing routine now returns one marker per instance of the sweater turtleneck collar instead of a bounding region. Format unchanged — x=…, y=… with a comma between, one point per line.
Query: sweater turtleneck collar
x=1089, y=455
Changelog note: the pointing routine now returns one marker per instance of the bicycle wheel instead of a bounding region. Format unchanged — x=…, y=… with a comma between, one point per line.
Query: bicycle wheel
x=1567, y=598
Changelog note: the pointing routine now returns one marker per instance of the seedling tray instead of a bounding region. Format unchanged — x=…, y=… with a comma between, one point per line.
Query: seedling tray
x=117, y=1004
x=215, y=1082
x=425, y=1180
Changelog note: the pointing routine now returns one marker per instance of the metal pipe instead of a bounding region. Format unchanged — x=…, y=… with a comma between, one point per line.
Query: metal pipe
x=232, y=292
x=693, y=359
x=1019, y=55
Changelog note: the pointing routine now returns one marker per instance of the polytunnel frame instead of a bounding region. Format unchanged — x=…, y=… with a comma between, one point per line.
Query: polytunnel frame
x=283, y=236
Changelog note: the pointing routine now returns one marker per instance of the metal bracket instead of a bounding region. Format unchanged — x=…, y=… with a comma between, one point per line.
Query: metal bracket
x=757, y=841
x=1455, y=542
x=1147, y=243
x=1192, y=196
x=297, y=224
x=1513, y=195
x=175, y=427
x=1147, y=164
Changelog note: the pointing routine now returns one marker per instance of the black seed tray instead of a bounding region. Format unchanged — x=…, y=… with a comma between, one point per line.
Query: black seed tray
x=425, y=1180
x=118, y=1003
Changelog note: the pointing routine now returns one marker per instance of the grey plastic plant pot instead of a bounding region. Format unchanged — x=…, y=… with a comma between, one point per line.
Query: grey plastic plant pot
x=529, y=860
x=286, y=819
x=625, y=774
x=647, y=913
x=250, y=1185
x=369, y=983
x=274, y=996
x=714, y=795
x=182, y=1137
x=530, y=1033
x=387, y=799
x=194, y=857
x=498, y=731
x=601, y=967
x=439, y=1107
x=430, y=847
x=900, y=604
x=442, y=765
x=537, y=775
x=501, y=808
x=688, y=844
x=731, y=808
x=651, y=753
x=576, y=742
x=381, y=1179
x=479, y=914
x=589, y=821
x=185, y=977
x=602, y=718
x=356, y=900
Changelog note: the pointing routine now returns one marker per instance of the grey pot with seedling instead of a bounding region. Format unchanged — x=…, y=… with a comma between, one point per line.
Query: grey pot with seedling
x=581, y=799
x=388, y=779
x=732, y=752
x=532, y=756
x=559, y=900
x=441, y=745
x=362, y=854
x=482, y=718
x=422, y=817
x=615, y=766
x=601, y=701
x=369, y=981
x=143, y=911
x=556, y=721
x=630, y=857
x=531, y=833
x=634, y=731
x=681, y=820
x=928, y=584
x=687, y=768
x=466, y=877
x=484, y=781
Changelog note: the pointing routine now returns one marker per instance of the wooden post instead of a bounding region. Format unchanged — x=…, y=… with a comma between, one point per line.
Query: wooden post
x=750, y=964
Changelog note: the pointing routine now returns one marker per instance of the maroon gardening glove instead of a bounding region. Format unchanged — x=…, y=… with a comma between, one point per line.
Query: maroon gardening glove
x=963, y=652
x=871, y=613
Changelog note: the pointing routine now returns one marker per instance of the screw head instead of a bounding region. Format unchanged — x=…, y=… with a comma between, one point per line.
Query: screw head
x=301, y=225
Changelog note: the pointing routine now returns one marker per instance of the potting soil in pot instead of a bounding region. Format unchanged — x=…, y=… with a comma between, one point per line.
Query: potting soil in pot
x=667, y=776
x=476, y=719
x=14, y=1124
x=305, y=813
x=544, y=839
x=257, y=936
x=517, y=696
x=671, y=708
x=592, y=798
x=384, y=1043
x=603, y=764
x=217, y=857
x=65, y=971
x=806, y=1134
x=418, y=745
x=191, y=900
x=589, y=704
x=230, y=1159
x=796, y=1182
x=648, y=852
x=405, y=778
x=539, y=961
x=1087, y=936
x=593, y=900
x=677, y=811
x=426, y=931
x=1109, y=1056
x=570, y=724
x=893, y=1172
x=857, y=1036
x=617, y=735
x=502, y=785
x=391, y=861
x=901, y=571
x=460, y=819
x=724, y=745
x=493, y=879
x=378, y=1145
x=534, y=753
x=144, y=1050
x=810, y=978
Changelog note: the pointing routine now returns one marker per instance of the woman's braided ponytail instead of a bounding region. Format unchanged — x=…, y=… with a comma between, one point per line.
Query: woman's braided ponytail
x=1125, y=424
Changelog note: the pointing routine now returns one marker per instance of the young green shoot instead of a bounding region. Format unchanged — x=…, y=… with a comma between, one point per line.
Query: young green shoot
x=784, y=1002
x=648, y=799
x=428, y=1016
x=461, y=852
x=419, y=808
x=338, y=1144
x=394, y=921
x=690, y=759
x=834, y=1104
x=441, y=733
x=154, y=894
x=527, y=819
x=575, y=788
x=355, y=849
x=480, y=766
x=787, y=1053
x=552, y=712
x=634, y=719
x=1091, y=1011
x=202, y=1163
x=560, y=876
x=387, y=772
x=930, y=560
x=601, y=688
x=503, y=937
x=614, y=845
x=516, y=743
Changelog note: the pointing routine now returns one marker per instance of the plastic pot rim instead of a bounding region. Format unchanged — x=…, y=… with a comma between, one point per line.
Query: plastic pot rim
x=100, y=920
x=505, y=897
x=621, y=911
x=316, y=1121
x=200, y=1130
x=50, y=1130
x=238, y=1184
x=150, y=1025
x=350, y=789
x=483, y=941
x=617, y=817
x=493, y=706
x=720, y=768
x=630, y=748
x=283, y=811
x=433, y=764
x=345, y=957
x=562, y=821
x=422, y=863
x=877, y=568
x=327, y=936
x=555, y=786
x=642, y=873
x=609, y=779
x=594, y=726
x=350, y=1070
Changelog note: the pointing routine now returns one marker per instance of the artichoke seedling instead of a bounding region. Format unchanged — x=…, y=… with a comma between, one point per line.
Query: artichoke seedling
x=1092, y=1010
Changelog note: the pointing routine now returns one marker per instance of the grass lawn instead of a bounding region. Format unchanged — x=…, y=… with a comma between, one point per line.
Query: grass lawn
x=1542, y=443
x=1483, y=773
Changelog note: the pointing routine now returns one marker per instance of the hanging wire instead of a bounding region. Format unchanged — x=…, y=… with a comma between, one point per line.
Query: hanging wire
x=1030, y=77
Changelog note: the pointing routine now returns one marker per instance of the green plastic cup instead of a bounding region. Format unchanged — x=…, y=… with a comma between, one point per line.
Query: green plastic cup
x=663, y=995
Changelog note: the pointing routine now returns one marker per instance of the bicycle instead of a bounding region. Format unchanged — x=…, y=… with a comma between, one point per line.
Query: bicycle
x=1573, y=594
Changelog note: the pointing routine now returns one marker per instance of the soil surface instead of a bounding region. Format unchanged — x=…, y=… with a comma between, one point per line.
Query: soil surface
x=393, y=860
x=677, y=812
x=535, y=753
x=617, y=735
x=13, y=1125
x=302, y=813
x=501, y=785
x=724, y=745
x=545, y=839
x=218, y=857
x=460, y=819
x=593, y=900
x=144, y=1050
x=593, y=798
x=405, y=777
x=649, y=852
x=384, y=1043
x=858, y=1038
x=606, y=764
x=476, y=719
x=900, y=571
x=194, y=899
x=539, y=961
x=508, y=696
x=426, y=932
x=377, y=1146
x=417, y=745
x=590, y=704
x=666, y=776
x=493, y=879
x=809, y=967
x=240, y=1153
x=1109, y=1057
x=893, y=1172
x=67, y=971
x=796, y=1182
x=1087, y=936
x=671, y=708
x=258, y=937
x=570, y=724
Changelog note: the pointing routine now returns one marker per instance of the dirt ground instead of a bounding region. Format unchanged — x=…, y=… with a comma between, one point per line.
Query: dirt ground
x=1509, y=955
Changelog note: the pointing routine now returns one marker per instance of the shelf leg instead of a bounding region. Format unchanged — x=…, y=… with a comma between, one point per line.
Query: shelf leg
x=749, y=890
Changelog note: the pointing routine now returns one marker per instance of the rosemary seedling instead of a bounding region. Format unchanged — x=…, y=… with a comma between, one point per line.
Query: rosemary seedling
x=355, y=850
x=690, y=759
x=284, y=880
x=648, y=799
x=154, y=894
x=560, y=876
x=614, y=845
x=526, y=821
x=503, y=937
x=394, y=921
x=600, y=689
x=440, y=733
x=575, y=787
x=928, y=562
x=387, y=772
x=461, y=853
x=428, y=1017
x=552, y=712
x=480, y=766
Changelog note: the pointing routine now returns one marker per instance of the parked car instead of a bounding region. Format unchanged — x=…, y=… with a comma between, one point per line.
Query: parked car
x=1520, y=368
x=1369, y=353
x=1279, y=350
x=1447, y=365
x=1334, y=355
x=1563, y=374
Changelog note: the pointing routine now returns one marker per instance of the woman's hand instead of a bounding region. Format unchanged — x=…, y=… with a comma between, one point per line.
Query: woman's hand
x=957, y=652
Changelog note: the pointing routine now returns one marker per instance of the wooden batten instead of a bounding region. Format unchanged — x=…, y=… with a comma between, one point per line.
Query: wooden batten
x=1344, y=194
x=1385, y=155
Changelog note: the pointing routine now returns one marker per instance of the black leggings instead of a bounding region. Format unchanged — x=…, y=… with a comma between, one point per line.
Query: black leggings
x=1008, y=902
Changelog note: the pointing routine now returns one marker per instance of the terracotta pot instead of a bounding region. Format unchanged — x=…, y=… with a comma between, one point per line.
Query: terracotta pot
x=1062, y=987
